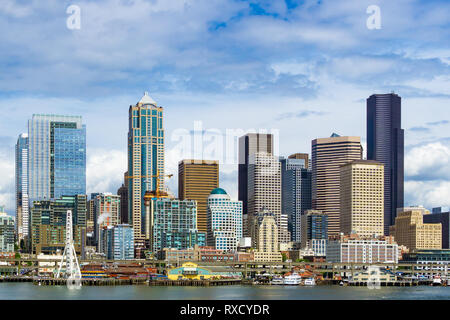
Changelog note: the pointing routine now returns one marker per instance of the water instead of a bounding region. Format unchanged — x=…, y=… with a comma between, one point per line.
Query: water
x=28, y=291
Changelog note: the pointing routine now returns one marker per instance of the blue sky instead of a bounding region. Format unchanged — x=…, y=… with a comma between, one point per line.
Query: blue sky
x=303, y=68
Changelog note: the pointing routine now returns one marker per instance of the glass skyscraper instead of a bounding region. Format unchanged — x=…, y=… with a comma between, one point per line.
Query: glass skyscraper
x=145, y=160
x=22, y=204
x=56, y=157
x=295, y=193
x=385, y=143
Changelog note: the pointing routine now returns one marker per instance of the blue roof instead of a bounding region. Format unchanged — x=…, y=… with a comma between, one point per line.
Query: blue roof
x=218, y=191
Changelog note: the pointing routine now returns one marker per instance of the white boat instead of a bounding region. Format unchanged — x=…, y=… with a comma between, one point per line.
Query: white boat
x=293, y=279
x=277, y=281
x=310, y=282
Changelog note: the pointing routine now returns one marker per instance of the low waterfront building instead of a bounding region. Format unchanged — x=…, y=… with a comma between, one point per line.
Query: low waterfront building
x=191, y=271
x=224, y=221
x=383, y=276
x=424, y=257
x=354, y=249
x=6, y=232
x=48, y=264
x=409, y=229
x=202, y=253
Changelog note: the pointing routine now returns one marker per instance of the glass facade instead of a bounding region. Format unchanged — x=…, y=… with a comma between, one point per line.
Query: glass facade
x=6, y=232
x=296, y=193
x=57, y=156
x=175, y=224
x=145, y=159
x=22, y=204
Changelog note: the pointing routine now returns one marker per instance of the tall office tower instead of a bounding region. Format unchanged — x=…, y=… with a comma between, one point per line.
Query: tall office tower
x=123, y=193
x=56, y=157
x=175, y=224
x=264, y=191
x=385, y=143
x=196, y=180
x=248, y=145
x=48, y=224
x=301, y=156
x=107, y=210
x=410, y=230
x=6, y=232
x=145, y=160
x=441, y=215
x=315, y=231
x=295, y=192
x=224, y=219
x=362, y=202
x=266, y=237
x=327, y=155
x=22, y=205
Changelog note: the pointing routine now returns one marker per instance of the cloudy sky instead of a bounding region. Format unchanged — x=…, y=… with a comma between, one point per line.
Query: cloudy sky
x=300, y=68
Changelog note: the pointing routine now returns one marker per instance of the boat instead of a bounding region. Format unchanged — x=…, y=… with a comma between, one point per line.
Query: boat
x=292, y=279
x=277, y=280
x=437, y=281
x=310, y=282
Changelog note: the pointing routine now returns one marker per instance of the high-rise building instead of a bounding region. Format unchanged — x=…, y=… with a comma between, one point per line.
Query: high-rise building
x=440, y=215
x=327, y=156
x=6, y=231
x=116, y=242
x=145, y=160
x=410, y=231
x=107, y=210
x=301, y=156
x=175, y=224
x=249, y=144
x=92, y=231
x=22, y=204
x=385, y=143
x=48, y=224
x=266, y=237
x=123, y=193
x=362, y=204
x=56, y=157
x=295, y=191
x=264, y=191
x=196, y=180
x=224, y=219
x=315, y=231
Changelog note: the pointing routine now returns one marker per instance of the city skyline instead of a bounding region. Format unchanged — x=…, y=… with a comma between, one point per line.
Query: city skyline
x=307, y=89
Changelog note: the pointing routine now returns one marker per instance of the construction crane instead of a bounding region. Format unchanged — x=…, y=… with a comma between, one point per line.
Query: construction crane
x=157, y=192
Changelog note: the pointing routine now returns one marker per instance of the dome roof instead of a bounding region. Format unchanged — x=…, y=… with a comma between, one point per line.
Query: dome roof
x=218, y=191
x=146, y=99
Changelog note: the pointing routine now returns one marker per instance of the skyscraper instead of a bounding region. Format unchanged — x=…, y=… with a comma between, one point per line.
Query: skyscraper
x=248, y=145
x=266, y=237
x=145, y=160
x=385, y=143
x=264, y=192
x=295, y=192
x=224, y=221
x=123, y=193
x=327, y=156
x=56, y=156
x=196, y=180
x=315, y=231
x=22, y=204
x=362, y=191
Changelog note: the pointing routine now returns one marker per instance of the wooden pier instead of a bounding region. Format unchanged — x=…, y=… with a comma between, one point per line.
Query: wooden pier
x=90, y=282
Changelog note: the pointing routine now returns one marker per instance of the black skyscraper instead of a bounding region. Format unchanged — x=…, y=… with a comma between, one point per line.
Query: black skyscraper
x=385, y=143
x=249, y=144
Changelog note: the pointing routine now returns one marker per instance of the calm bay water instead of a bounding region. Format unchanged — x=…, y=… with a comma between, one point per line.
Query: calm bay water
x=11, y=291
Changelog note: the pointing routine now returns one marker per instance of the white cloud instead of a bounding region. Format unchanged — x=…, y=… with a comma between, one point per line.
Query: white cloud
x=105, y=169
x=7, y=172
x=430, y=161
x=429, y=194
